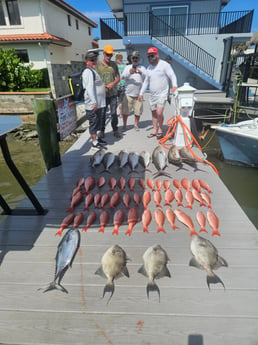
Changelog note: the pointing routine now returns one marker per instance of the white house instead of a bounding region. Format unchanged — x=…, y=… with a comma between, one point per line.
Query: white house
x=197, y=34
x=48, y=33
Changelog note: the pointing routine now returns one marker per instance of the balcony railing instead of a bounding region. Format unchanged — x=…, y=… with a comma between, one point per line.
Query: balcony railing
x=182, y=46
x=140, y=23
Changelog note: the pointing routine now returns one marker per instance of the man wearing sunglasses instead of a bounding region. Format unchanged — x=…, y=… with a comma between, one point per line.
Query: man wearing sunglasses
x=134, y=75
x=159, y=76
x=109, y=73
x=94, y=96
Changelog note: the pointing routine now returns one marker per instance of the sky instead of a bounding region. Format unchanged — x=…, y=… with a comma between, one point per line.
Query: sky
x=100, y=9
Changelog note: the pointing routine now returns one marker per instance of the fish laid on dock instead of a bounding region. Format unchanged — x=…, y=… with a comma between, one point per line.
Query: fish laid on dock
x=154, y=267
x=97, y=158
x=65, y=255
x=113, y=266
x=108, y=160
x=159, y=159
x=205, y=256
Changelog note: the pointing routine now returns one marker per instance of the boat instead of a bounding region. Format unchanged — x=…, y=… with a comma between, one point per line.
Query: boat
x=239, y=142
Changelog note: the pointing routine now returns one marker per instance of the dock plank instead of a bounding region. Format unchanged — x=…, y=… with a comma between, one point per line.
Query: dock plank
x=188, y=313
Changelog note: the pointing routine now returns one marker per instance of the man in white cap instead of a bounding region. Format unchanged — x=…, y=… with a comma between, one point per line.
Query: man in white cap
x=159, y=73
x=134, y=75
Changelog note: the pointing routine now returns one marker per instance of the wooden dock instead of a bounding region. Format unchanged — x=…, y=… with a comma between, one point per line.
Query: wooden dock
x=187, y=314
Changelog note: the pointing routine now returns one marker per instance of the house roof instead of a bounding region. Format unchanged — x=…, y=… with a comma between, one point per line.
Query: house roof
x=64, y=5
x=45, y=37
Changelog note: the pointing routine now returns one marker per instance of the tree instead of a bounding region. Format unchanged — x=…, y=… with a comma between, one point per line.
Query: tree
x=14, y=74
x=253, y=41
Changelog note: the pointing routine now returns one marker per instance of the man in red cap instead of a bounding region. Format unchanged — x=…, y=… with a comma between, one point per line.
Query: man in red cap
x=109, y=73
x=159, y=76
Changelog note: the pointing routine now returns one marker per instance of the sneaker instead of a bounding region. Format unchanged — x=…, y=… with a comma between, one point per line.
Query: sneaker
x=136, y=128
x=101, y=134
x=117, y=134
x=101, y=141
x=98, y=146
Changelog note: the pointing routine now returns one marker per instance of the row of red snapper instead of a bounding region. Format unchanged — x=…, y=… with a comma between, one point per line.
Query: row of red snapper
x=132, y=216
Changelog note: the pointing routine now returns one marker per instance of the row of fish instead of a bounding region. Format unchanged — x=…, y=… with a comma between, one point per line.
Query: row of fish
x=159, y=158
x=146, y=218
x=89, y=183
x=155, y=260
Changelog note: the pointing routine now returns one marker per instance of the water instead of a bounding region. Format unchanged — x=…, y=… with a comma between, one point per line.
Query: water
x=28, y=159
x=241, y=181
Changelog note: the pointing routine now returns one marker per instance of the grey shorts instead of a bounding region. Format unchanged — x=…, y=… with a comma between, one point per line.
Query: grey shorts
x=157, y=102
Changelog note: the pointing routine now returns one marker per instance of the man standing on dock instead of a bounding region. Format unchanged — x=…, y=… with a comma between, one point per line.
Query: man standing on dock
x=109, y=73
x=159, y=73
x=94, y=96
x=134, y=75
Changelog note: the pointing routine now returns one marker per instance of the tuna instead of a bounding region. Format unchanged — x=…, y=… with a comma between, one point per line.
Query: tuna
x=66, y=252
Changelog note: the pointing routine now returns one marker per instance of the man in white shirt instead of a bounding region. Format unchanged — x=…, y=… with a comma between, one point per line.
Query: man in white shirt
x=134, y=75
x=94, y=96
x=159, y=75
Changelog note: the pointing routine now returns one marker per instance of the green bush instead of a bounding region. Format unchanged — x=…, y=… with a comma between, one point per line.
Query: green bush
x=15, y=75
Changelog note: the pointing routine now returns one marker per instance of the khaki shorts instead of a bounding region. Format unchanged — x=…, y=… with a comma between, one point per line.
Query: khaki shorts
x=157, y=102
x=131, y=103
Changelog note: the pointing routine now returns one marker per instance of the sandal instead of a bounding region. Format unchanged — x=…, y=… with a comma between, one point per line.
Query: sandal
x=152, y=135
x=159, y=135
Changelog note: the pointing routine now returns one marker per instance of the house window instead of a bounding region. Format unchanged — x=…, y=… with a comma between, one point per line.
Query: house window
x=174, y=17
x=77, y=24
x=13, y=12
x=2, y=18
x=69, y=20
x=89, y=30
x=22, y=54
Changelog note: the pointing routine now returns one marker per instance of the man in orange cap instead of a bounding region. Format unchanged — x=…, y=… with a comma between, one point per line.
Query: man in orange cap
x=159, y=76
x=109, y=73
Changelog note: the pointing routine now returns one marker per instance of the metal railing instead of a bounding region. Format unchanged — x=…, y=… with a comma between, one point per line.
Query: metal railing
x=183, y=47
x=140, y=23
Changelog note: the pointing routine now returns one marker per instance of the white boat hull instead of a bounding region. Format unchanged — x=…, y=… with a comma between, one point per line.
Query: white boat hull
x=239, y=143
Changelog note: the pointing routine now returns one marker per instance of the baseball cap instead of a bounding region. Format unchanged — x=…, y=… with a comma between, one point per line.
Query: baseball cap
x=91, y=53
x=135, y=54
x=152, y=50
x=108, y=49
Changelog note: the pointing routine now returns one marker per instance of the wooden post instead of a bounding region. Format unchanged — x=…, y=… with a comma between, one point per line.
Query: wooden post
x=47, y=131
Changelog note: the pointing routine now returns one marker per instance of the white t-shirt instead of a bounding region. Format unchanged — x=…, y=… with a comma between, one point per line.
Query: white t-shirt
x=157, y=78
x=94, y=93
x=133, y=82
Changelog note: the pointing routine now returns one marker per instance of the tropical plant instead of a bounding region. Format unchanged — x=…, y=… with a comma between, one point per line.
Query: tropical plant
x=14, y=74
